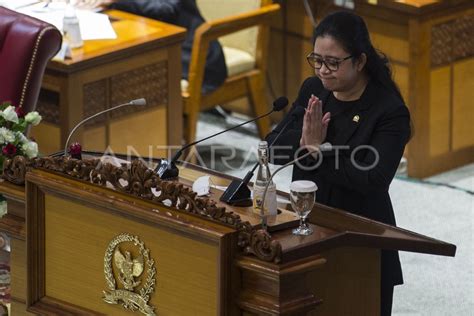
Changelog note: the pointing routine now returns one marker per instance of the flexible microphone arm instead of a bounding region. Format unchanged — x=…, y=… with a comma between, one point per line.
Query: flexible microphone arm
x=167, y=169
x=133, y=102
x=179, y=152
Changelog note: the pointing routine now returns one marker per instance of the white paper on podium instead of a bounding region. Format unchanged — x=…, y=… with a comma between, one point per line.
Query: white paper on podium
x=202, y=185
x=95, y=26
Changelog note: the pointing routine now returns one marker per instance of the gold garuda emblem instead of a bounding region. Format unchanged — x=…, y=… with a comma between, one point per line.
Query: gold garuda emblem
x=128, y=275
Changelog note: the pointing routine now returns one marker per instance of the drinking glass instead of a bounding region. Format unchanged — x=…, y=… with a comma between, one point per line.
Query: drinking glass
x=302, y=196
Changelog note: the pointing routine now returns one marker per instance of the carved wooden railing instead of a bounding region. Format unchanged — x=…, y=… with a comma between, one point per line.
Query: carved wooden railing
x=138, y=180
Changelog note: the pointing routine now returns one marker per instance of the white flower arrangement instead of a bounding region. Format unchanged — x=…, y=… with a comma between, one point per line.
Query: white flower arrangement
x=13, y=123
x=33, y=118
x=10, y=115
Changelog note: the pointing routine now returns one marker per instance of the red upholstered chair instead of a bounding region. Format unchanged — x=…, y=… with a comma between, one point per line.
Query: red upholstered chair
x=26, y=46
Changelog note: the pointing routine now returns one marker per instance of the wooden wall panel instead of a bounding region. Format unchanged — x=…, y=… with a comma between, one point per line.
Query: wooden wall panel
x=276, y=62
x=123, y=131
x=95, y=139
x=298, y=68
x=401, y=77
x=463, y=104
x=129, y=131
x=390, y=38
x=77, y=237
x=297, y=21
x=48, y=137
x=439, y=112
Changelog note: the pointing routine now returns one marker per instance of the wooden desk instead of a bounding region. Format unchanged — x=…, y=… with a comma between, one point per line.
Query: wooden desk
x=143, y=62
x=209, y=260
x=431, y=48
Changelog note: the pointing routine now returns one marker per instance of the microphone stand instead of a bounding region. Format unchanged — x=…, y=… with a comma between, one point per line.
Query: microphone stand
x=133, y=102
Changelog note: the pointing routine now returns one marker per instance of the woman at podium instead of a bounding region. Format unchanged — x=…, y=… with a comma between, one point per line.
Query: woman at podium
x=353, y=105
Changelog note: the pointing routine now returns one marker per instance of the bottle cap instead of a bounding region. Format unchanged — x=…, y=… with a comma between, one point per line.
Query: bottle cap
x=263, y=144
x=69, y=12
x=303, y=186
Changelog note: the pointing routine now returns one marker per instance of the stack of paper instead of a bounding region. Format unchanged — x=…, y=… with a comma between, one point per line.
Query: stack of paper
x=93, y=25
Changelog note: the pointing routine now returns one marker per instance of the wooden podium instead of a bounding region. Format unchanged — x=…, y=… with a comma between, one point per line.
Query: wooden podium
x=101, y=238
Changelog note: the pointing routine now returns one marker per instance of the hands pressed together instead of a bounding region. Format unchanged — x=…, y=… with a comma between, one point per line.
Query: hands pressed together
x=315, y=124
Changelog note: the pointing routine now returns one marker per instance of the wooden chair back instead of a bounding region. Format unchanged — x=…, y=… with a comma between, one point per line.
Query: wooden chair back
x=251, y=83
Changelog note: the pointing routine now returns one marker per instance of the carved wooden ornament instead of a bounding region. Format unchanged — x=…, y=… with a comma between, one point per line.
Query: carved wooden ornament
x=139, y=180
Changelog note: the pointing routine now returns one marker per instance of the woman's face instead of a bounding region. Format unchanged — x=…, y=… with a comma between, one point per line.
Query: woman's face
x=347, y=73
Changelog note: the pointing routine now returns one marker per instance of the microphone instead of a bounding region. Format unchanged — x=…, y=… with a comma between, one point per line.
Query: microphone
x=133, y=102
x=238, y=193
x=167, y=169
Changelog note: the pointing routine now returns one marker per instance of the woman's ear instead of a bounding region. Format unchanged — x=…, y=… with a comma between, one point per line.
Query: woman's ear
x=361, y=61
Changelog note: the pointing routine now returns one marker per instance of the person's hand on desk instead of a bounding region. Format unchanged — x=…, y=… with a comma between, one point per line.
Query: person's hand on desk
x=315, y=124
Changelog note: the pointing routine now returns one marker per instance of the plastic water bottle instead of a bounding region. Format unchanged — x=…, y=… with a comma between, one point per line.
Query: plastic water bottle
x=71, y=30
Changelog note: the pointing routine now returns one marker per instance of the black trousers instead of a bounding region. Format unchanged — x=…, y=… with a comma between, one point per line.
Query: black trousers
x=386, y=298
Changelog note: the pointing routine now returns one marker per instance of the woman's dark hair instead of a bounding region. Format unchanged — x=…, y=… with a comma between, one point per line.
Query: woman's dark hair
x=351, y=32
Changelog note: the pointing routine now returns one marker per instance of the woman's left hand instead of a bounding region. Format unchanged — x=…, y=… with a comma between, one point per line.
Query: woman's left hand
x=315, y=124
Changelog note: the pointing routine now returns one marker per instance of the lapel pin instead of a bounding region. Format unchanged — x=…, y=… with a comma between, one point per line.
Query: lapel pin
x=356, y=118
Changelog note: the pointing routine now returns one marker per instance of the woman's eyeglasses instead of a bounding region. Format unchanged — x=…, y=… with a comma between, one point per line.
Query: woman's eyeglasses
x=317, y=62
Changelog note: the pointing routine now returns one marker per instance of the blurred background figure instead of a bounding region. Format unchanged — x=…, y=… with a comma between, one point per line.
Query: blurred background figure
x=184, y=13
